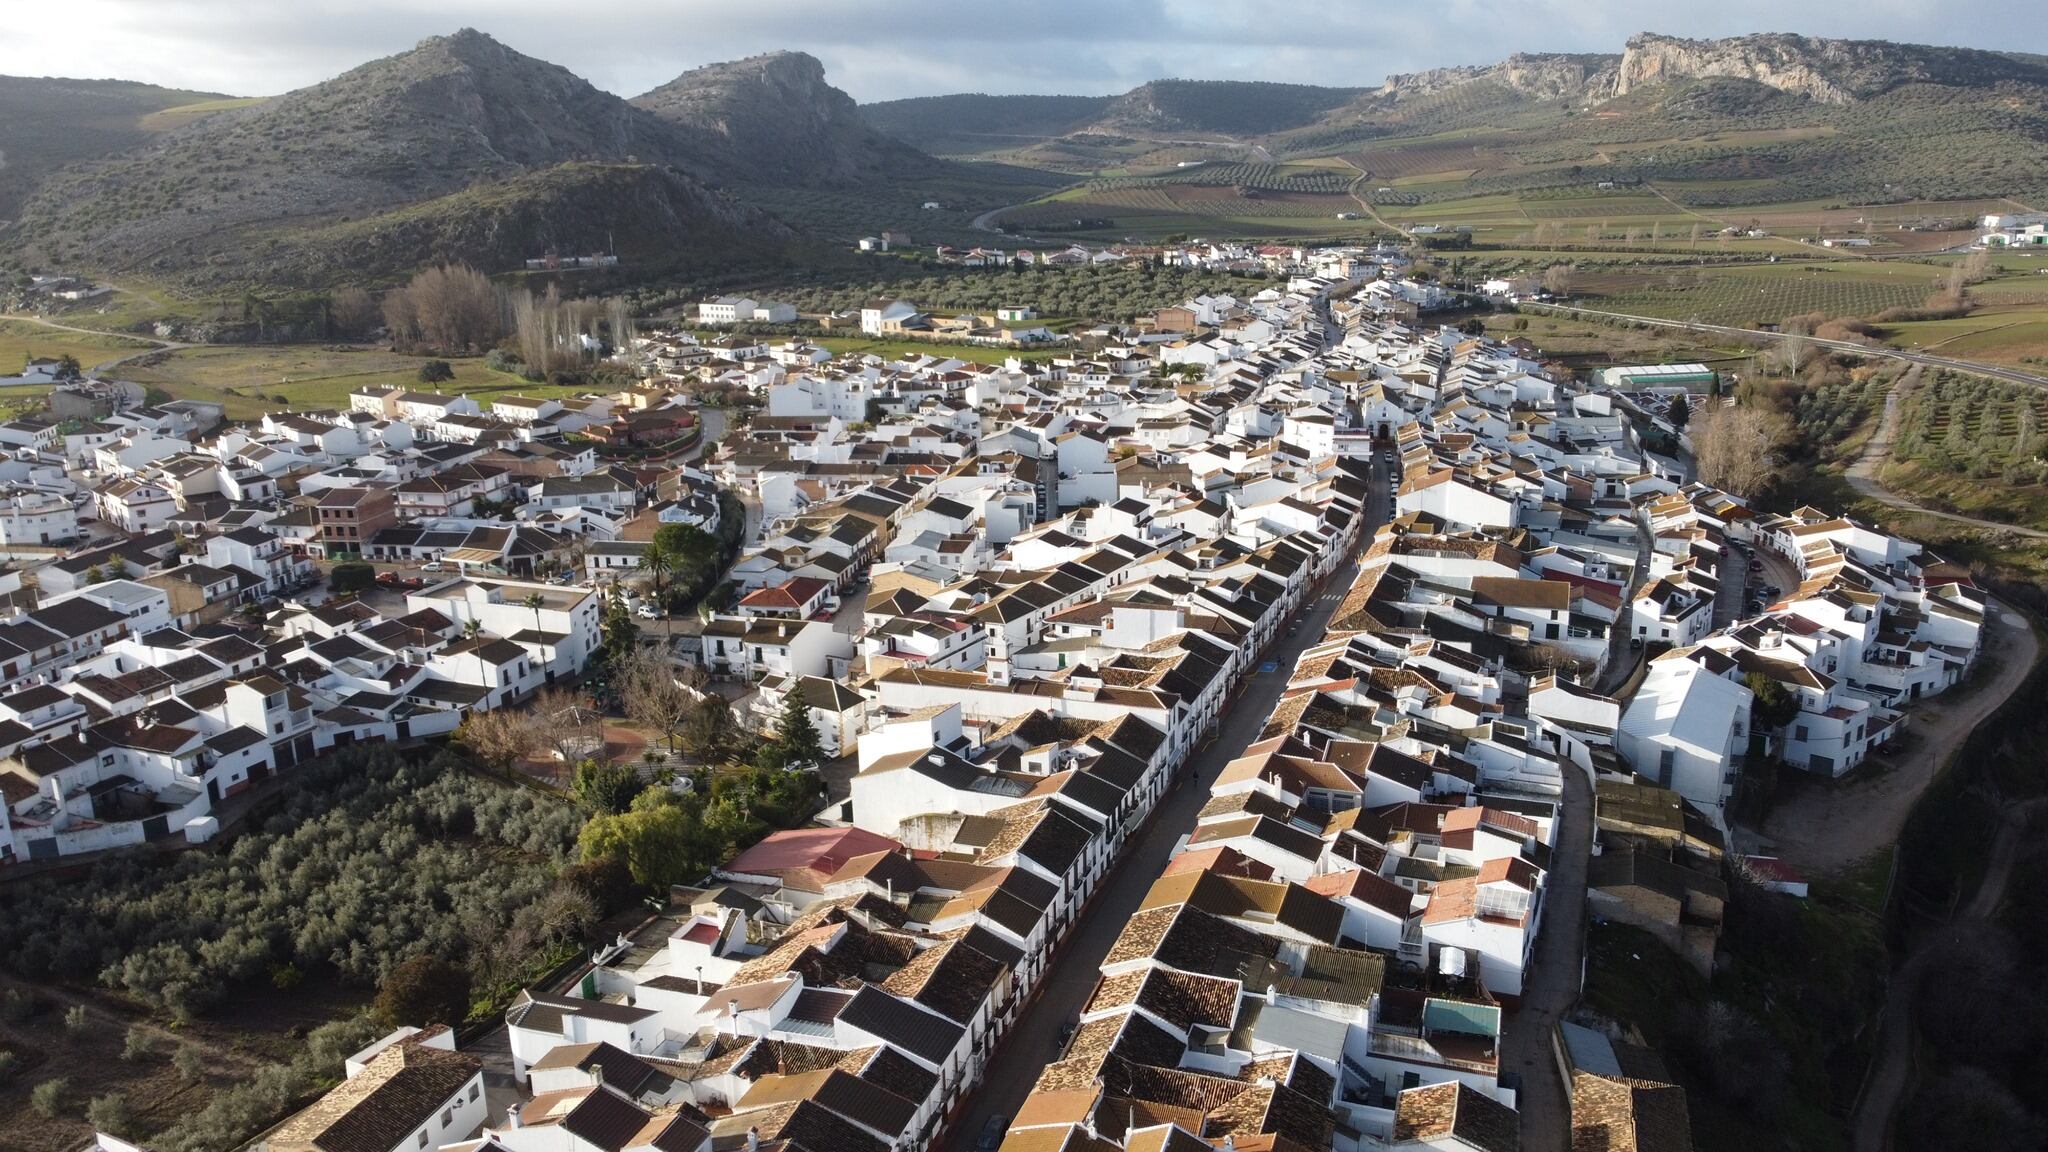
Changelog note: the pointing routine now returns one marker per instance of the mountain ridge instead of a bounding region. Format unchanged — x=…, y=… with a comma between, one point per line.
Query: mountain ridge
x=1825, y=70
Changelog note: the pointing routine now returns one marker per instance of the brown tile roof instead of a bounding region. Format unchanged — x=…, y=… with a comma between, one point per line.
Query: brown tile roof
x=1619, y=1114
x=1452, y=1109
x=401, y=1088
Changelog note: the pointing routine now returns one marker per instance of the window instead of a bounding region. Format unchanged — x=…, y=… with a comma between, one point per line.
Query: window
x=447, y=1117
x=472, y=1089
x=1799, y=733
x=423, y=1137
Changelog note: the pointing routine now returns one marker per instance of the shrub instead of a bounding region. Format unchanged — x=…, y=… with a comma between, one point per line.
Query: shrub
x=140, y=1043
x=10, y=1063
x=190, y=1063
x=111, y=1113
x=77, y=1019
x=47, y=1098
x=436, y=372
x=352, y=577
x=424, y=990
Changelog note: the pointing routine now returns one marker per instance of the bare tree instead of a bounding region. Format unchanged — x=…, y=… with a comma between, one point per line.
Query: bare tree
x=1736, y=447
x=354, y=312
x=450, y=307
x=498, y=737
x=1557, y=279
x=568, y=727
x=648, y=689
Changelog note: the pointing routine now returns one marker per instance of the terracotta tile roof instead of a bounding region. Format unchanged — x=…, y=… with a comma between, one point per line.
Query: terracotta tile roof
x=1619, y=1114
x=403, y=1087
x=1452, y=1109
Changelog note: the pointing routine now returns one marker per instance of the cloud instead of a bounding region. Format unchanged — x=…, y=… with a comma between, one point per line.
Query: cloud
x=923, y=47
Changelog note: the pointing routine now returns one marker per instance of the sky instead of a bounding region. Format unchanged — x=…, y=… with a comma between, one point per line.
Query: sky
x=881, y=51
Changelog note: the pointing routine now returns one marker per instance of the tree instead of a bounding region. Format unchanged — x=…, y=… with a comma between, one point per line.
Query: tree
x=424, y=990
x=709, y=729
x=1772, y=704
x=647, y=687
x=658, y=839
x=621, y=634
x=796, y=744
x=111, y=1114
x=608, y=882
x=1558, y=278
x=138, y=1044
x=1736, y=448
x=607, y=788
x=1680, y=412
x=47, y=1098
x=68, y=367
x=566, y=725
x=436, y=372
x=498, y=738
x=190, y=1063
x=451, y=308
x=353, y=313
x=353, y=576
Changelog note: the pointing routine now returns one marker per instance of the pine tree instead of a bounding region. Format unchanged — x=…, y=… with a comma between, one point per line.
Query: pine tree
x=796, y=738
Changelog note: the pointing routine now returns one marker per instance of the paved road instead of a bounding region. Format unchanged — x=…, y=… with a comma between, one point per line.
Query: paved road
x=1070, y=980
x=1992, y=371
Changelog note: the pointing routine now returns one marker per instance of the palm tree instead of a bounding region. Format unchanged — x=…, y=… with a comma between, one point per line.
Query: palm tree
x=659, y=564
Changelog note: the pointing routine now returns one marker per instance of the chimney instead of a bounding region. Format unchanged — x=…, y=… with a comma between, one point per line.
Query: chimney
x=597, y=1075
x=732, y=1008
x=512, y=1116
x=753, y=1138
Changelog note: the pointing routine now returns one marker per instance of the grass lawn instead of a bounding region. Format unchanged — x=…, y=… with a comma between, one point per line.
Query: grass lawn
x=20, y=340
x=249, y=379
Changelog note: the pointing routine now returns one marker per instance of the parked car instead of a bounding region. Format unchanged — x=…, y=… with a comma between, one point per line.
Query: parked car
x=433, y=566
x=647, y=612
x=1635, y=643
x=992, y=1134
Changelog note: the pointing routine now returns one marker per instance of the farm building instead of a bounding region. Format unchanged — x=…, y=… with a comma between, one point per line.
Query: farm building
x=1647, y=376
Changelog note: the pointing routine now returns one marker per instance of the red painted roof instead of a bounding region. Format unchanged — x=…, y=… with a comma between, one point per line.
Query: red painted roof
x=819, y=850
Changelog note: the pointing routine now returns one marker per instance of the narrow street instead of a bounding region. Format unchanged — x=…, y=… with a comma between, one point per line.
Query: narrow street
x=1070, y=980
x=1552, y=985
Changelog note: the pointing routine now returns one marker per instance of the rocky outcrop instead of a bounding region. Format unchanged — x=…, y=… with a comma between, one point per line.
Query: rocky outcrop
x=774, y=119
x=1539, y=76
x=1828, y=71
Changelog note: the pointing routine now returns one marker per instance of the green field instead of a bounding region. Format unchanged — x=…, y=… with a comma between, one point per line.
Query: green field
x=247, y=380
x=21, y=340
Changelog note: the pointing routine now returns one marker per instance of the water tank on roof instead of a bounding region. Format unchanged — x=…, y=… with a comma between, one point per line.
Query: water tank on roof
x=1451, y=962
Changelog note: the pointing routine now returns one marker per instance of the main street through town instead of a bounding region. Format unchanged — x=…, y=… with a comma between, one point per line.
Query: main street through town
x=1034, y=1041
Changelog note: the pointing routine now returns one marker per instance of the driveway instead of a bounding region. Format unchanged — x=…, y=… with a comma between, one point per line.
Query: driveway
x=1070, y=980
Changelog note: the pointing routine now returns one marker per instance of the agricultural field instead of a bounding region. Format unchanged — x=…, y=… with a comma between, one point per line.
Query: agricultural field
x=1586, y=346
x=1745, y=295
x=1970, y=427
x=250, y=380
x=21, y=341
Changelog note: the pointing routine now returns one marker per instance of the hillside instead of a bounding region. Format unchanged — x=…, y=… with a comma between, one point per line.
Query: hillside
x=48, y=123
x=773, y=119
x=267, y=191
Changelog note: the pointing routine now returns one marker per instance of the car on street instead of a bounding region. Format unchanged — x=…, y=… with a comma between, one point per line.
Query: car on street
x=433, y=566
x=992, y=1134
